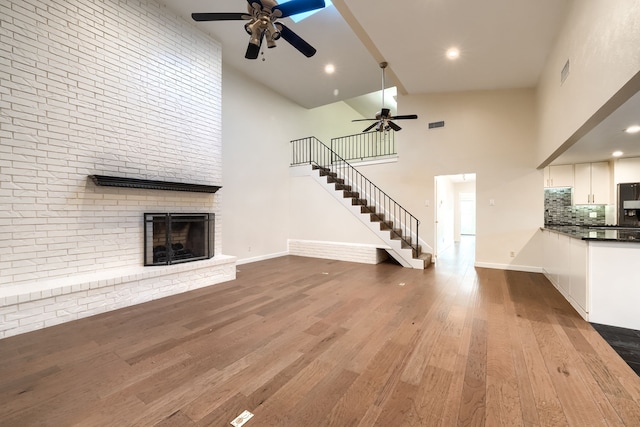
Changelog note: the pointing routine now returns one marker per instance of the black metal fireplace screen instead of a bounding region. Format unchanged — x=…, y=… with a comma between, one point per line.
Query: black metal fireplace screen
x=177, y=238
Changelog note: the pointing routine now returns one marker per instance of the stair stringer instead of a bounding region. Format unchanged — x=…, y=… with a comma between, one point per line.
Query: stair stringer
x=394, y=246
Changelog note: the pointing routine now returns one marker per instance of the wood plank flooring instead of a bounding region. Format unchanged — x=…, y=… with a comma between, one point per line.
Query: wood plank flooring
x=310, y=342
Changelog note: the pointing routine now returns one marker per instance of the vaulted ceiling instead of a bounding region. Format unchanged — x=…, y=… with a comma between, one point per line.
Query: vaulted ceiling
x=502, y=43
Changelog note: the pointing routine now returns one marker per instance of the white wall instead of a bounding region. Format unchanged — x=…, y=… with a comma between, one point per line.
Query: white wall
x=600, y=38
x=258, y=125
x=115, y=88
x=491, y=133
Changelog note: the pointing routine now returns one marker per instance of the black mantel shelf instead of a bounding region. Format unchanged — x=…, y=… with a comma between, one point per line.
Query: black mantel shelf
x=150, y=184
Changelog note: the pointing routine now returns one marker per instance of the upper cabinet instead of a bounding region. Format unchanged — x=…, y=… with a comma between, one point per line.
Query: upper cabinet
x=558, y=176
x=592, y=184
x=627, y=170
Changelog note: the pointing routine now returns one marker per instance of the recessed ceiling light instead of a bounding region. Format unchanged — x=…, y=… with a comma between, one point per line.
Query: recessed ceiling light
x=453, y=53
x=633, y=129
x=617, y=153
x=329, y=69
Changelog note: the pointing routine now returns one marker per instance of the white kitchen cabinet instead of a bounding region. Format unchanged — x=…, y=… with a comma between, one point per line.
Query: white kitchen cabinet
x=550, y=249
x=627, y=170
x=602, y=277
x=592, y=184
x=558, y=176
x=565, y=265
x=578, y=282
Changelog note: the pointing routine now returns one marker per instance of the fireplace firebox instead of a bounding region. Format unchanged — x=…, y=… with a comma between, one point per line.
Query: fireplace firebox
x=172, y=238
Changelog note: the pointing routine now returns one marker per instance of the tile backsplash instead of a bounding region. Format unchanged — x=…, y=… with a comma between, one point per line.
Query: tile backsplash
x=558, y=209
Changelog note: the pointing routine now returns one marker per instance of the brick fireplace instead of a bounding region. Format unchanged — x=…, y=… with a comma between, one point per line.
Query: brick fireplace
x=144, y=103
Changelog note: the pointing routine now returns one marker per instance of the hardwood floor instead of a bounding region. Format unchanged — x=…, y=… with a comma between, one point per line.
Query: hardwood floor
x=310, y=342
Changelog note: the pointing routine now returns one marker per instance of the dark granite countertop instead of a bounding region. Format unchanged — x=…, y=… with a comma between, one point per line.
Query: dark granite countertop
x=602, y=234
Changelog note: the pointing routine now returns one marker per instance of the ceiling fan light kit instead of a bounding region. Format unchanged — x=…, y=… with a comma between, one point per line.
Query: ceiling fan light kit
x=263, y=16
x=383, y=120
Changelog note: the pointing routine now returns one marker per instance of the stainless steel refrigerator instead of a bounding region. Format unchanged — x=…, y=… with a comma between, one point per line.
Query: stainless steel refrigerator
x=629, y=204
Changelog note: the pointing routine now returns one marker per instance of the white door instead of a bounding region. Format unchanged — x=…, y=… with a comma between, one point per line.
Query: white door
x=467, y=214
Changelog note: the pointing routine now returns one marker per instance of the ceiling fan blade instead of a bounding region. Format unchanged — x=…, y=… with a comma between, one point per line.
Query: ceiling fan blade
x=370, y=127
x=393, y=126
x=296, y=6
x=362, y=120
x=295, y=40
x=219, y=16
x=408, y=116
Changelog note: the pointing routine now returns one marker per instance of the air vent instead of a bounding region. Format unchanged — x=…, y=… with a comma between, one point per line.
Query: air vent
x=434, y=125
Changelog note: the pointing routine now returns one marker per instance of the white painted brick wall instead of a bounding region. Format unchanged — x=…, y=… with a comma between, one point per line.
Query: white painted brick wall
x=123, y=88
x=366, y=254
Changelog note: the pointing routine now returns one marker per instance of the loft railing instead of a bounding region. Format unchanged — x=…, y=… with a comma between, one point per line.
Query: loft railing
x=313, y=152
x=365, y=145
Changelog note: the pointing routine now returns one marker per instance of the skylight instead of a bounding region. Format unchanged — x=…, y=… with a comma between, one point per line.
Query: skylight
x=299, y=17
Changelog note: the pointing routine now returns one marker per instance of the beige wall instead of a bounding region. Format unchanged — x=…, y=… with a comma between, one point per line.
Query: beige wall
x=600, y=38
x=491, y=133
x=257, y=125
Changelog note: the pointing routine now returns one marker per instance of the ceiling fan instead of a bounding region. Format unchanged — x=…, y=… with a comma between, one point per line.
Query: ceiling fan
x=383, y=119
x=263, y=23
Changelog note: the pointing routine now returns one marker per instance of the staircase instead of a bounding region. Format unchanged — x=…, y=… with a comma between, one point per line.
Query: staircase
x=393, y=224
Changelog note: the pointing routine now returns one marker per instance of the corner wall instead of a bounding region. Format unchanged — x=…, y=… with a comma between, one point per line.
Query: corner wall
x=492, y=134
x=261, y=200
x=600, y=39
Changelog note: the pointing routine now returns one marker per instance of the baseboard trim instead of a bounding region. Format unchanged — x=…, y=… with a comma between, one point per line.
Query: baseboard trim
x=512, y=267
x=350, y=252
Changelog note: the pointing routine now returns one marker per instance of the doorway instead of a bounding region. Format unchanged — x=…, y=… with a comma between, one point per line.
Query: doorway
x=455, y=212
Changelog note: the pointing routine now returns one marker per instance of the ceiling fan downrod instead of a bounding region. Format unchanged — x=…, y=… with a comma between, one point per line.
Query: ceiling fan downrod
x=383, y=65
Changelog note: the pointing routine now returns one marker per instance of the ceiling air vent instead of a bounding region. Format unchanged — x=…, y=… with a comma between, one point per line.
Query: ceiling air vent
x=434, y=125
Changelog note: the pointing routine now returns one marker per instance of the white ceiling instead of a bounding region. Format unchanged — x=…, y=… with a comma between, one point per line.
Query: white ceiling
x=607, y=137
x=503, y=44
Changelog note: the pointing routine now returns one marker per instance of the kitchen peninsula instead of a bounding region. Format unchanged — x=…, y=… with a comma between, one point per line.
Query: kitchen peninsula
x=595, y=270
